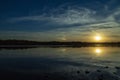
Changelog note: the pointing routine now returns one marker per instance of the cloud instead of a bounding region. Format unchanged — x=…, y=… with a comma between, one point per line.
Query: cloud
x=72, y=22
x=71, y=16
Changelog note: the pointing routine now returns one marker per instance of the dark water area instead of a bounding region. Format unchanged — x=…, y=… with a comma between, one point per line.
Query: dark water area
x=60, y=63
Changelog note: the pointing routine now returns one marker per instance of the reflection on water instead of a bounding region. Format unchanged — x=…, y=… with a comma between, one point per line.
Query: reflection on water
x=63, y=49
x=38, y=60
x=67, y=54
x=98, y=51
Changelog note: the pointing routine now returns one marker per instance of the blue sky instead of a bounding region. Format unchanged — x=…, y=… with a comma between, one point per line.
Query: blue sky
x=71, y=20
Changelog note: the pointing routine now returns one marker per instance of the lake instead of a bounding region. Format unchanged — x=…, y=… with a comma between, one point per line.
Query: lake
x=84, y=63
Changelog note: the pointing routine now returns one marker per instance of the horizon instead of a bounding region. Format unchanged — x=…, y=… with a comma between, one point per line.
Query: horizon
x=57, y=41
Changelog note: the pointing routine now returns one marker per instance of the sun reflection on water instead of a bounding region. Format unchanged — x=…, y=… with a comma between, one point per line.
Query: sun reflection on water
x=98, y=51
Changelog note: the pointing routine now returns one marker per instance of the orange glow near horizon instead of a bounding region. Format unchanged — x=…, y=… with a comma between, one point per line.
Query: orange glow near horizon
x=98, y=38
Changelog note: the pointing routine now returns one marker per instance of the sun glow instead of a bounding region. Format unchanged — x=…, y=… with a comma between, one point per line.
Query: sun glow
x=98, y=38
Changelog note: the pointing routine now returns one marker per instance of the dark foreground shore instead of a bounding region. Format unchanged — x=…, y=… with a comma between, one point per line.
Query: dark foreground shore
x=47, y=69
x=98, y=74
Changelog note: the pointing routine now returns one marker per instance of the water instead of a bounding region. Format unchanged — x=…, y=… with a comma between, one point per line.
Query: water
x=52, y=62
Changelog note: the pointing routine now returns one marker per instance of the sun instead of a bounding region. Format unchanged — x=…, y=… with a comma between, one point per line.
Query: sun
x=98, y=38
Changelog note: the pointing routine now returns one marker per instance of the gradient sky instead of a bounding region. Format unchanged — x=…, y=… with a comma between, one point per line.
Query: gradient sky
x=70, y=20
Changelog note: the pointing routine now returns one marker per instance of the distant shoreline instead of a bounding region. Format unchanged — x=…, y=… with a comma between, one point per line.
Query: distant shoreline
x=30, y=44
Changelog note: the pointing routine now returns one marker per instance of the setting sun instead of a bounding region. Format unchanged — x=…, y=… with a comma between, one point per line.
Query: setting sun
x=98, y=38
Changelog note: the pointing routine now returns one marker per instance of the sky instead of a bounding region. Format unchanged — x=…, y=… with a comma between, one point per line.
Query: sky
x=60, y=20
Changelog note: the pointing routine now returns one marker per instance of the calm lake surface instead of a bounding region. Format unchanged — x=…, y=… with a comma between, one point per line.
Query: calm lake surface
x=63, y=62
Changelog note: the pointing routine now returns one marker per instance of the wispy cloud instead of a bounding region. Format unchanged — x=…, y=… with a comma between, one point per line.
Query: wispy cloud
x=72, y=17
x=74, y=22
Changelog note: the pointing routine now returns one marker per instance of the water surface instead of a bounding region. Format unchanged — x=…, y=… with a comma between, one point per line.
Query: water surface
x=64, y=63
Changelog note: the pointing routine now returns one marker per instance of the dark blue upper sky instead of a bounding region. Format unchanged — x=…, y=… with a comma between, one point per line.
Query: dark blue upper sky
x=59, y=17
x=12, y=8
